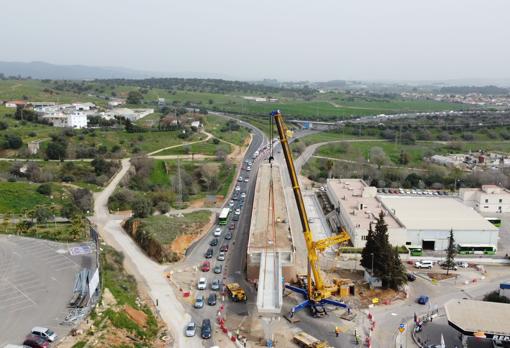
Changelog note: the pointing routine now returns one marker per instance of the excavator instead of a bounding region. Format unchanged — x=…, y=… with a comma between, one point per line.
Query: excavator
x=315, y=291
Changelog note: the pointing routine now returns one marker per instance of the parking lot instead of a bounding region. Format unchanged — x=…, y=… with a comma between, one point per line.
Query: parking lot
x=36, y=284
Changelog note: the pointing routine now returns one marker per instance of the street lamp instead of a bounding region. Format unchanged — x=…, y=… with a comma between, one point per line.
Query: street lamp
x=372, y=254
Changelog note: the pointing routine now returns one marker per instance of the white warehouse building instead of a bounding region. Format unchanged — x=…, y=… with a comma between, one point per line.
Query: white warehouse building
x=414, y=221
x=488, y=199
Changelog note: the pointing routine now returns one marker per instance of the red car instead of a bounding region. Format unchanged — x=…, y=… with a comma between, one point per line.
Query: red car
x=224, y=247
x=232, y=226
x=35, y=341
x=206, y=266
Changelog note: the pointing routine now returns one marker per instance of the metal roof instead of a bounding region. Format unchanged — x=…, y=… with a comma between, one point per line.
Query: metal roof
x=469, y=316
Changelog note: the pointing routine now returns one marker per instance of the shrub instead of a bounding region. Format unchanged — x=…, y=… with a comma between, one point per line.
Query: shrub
x=44, y=189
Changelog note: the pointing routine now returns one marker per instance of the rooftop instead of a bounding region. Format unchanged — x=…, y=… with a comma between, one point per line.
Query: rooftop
x=491, y=317
x=262, y=236
x=435, y=213
x=354, y=192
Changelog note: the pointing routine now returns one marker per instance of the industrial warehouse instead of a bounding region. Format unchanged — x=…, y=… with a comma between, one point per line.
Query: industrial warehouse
x=415, y=220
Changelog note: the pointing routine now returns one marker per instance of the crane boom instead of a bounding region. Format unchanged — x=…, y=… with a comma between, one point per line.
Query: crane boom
x=319, y=291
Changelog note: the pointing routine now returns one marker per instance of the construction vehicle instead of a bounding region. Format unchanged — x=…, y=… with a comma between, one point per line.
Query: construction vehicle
x=315, y=292
x=236, y=292
x=305, y=340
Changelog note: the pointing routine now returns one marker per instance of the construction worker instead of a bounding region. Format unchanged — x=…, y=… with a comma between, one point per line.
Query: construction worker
x=337, y=331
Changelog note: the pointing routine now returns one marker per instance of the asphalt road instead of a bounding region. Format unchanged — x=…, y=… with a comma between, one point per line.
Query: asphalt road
x=235, y=264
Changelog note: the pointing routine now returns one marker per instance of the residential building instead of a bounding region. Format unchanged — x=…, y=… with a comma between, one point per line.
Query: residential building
x=77, y=120
x=488, y=199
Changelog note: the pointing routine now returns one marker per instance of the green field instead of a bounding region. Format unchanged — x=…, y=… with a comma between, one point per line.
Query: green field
x=217, y=126
x=18, y=197
x=204, y=148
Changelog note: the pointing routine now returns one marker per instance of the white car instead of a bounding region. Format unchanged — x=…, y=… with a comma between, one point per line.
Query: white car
x=243, y=195
x=238, y=188
x=221, y=256
x=217, y=232
x=240, y=179
x=45, y=333
x=231, y=203
x=199, y=302
x=238, y=211
x=246, y=180
x=202, y=284
x=248, y=168
x=424, y=264
x=191, y=329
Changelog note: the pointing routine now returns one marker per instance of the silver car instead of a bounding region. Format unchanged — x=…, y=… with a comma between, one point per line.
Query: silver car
x=191, y=329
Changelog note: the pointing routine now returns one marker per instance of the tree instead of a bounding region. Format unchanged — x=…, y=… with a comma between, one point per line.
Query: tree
x=56, y=150
x=378, y=156
x=134, y=97
x=380, y=254
x=77, y=227
x=451, y=251
x=142, y=207
x=403, y=158
x=329, y=167
x=44, y=189
x=42, y=214
x=12, y=141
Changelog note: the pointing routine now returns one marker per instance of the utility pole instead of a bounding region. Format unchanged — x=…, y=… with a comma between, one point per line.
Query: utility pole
x=179, y=184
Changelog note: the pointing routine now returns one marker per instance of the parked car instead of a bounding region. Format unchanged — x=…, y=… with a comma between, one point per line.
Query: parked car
x=213, y=242
x=232, y=226
x=444, y=265
x=191, y=329
x=423, y=300
x=202, y=284
x=224, y=247
x=215, y=285
x=34, y=341
x=217, y=232
x=221, y=256
x=462, y=264
x=206, y=331
x=211, y=300
x=411, y=277
x=228, y=236
x=206, y=266
x=199, y=301
x=218, y=269
x=424, y=264
x=209, y=253
x=45, y=333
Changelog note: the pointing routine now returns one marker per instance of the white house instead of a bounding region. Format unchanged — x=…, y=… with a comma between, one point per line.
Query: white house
x=488, y=199
x=77, y=120
x=196, y=124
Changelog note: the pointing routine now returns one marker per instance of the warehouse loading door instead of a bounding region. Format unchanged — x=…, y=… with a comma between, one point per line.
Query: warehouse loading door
x=428, y=244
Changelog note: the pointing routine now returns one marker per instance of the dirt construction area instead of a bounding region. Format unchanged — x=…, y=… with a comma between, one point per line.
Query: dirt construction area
x=36, y=283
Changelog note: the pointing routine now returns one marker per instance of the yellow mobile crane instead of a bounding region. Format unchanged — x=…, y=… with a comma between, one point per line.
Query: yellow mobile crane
x=317, y=293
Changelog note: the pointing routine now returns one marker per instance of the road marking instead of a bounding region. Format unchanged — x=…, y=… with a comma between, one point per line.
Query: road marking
x=15, y=287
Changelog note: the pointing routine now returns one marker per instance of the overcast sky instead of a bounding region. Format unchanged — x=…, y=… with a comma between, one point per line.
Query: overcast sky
x=284, y=39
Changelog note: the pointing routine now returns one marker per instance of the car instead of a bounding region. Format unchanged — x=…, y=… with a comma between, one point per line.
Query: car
x=235, y=196
x=199, y=301
x=218, y=269
x=238, y=211
x=424, y=264
x=462, y=264
x=235, y=218
x=238, y=188
x=45, y=333
x=444, y=265
x=423, y=300
x=34, y=341
x=248, y=168
x=213, y=242
x=243, y=194
x=206, y=331
x=215, y=285
x=211, y=300
x=217, y=232
x=240, y=179
x=228, y=236
x=206, y=266
x=221, y=256
x=231, y=203
x=241, y=205
x=191, y=329
x=250, y=163
x=232, y=226
x=202, y=284
x=246, y=179
x=224, y=247
x=209, y=253
x=411, y=277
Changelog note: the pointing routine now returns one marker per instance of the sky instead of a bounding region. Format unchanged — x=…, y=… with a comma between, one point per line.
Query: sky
x=284, y=39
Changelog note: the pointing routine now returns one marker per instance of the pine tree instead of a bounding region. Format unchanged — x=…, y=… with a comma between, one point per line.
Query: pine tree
x=450, y=253
x=368, y=250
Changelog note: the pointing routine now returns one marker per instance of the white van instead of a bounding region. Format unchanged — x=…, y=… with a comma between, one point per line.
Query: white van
x=424, y=264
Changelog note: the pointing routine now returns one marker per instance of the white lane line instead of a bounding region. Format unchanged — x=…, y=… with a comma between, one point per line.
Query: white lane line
x=15, y=287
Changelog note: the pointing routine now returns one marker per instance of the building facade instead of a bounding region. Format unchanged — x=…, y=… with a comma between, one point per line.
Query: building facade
x=488, y=199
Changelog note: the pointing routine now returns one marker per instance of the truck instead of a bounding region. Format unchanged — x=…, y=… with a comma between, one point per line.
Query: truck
x=305, y=340
x=236, y=292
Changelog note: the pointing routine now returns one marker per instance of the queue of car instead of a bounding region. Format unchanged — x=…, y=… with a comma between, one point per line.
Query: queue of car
x=236, y=203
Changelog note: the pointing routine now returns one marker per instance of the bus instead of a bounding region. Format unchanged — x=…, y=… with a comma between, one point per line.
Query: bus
x=477, y=249
x=224, y=214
